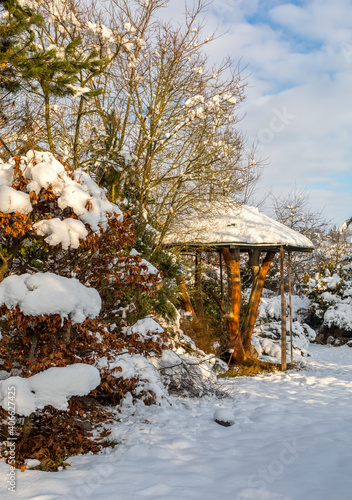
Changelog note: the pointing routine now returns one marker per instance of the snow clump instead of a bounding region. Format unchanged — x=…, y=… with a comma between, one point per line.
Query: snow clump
x=68, y=232
x=14, y=201
x=53, y=386
x=75, y=190
x=146, y=328
x=48, y=293
x=224, y=417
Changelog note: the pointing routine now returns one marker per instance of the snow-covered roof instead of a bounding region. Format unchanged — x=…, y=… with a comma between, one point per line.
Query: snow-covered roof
x=226, y=224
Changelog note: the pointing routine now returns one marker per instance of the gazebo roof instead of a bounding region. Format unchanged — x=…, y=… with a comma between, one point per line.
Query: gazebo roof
x=227, y=225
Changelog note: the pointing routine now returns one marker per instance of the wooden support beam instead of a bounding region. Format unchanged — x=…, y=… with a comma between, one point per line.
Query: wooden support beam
x=254, y=263
x=283, y=312
x=290, y=302
x=254, y=299
x=198, y=285
x=221, y=279
x=232, y=261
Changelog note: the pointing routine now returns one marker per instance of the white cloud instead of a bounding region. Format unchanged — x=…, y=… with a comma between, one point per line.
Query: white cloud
x=298, y=60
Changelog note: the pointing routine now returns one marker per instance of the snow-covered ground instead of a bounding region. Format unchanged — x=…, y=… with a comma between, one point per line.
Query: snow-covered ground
x=291, y=440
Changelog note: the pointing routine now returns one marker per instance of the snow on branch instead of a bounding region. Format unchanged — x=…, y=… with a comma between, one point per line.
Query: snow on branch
x=52, y=387
x=48, y=293
x=41, y=170
x=68, y=232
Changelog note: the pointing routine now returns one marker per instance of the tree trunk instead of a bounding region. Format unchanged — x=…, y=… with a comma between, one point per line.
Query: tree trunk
x=232, y=261
x=66, y=335
x=290, y=304
x=252, y=312
x=27, y=426
x=186, y=301
x=47, y=118
x=4, y=266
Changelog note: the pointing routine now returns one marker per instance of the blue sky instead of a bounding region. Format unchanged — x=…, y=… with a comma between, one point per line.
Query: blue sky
x=298, y=59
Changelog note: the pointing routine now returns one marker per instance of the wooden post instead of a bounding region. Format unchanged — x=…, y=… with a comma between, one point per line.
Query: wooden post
x=283, y=312
x=232, y=260
x=221, y=279
x=290, y=303
x=198, y=285
x=254, y=263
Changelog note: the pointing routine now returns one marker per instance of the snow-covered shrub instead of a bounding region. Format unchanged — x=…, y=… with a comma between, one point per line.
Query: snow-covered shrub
x=330, y=292
x=72, y=289
x=267, y=332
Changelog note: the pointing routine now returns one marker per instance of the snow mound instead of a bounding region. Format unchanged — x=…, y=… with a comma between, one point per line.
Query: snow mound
x=340, y=315
x=224, y=417
x=48, y=293
x=331, y=298
x=51, y=387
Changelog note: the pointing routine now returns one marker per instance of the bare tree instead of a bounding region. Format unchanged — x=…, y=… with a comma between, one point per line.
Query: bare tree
x=294, y=211
x=140, y=106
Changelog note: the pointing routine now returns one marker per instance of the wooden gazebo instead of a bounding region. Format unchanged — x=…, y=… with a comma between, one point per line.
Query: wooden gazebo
x=232, y=230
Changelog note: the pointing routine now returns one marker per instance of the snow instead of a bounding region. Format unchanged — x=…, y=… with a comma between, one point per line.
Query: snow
x=87, y=200
x=339, y=315
x=151, y=270
x=32, y=462
x=6, y=174
x=267, y=332
x=270, y=307
x=53, y=386
x=224, y=415
x=226, y=223
x=68, y=232
x=135, y=366
x=146, y=328
x=78, y=91
x=291, y=440
x=332, y=300
x=44, y=175
x=48, y=293
x=14, y=201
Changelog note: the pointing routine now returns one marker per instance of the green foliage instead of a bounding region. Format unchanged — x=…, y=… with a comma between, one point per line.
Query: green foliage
x=34, y=253
x=326, y=288
x=143, y=303
x=164, y=302
x=24, y=60
x=16, y=37
x=165, y=299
